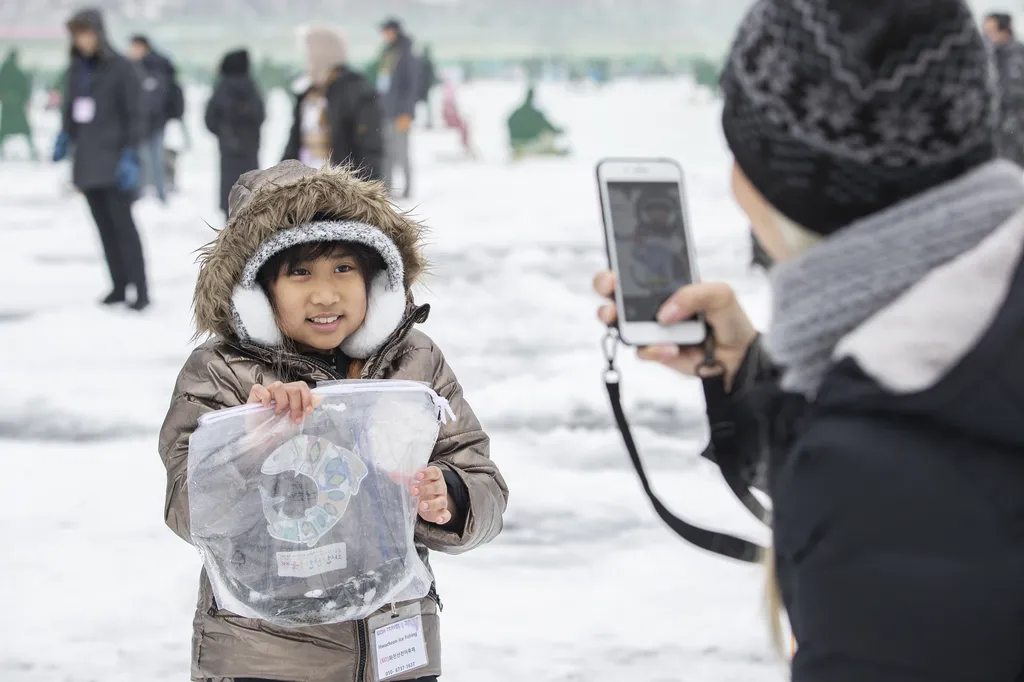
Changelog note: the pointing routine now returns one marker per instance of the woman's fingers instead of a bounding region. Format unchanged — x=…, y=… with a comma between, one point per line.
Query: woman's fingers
x=684, y=360
x=604, y=283
x=659, y=353
x=608, y=313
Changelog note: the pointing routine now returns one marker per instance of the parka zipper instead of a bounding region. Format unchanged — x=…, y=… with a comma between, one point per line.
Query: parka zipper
x=361, y=661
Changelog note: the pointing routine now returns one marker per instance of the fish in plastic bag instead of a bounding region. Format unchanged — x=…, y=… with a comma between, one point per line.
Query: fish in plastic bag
x=313, y=523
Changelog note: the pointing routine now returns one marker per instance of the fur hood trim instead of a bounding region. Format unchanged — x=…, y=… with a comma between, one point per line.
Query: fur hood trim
x=290, y=195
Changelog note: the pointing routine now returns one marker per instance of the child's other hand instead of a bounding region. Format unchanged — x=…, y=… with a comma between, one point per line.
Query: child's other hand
x=434, y=505
x=295, y=398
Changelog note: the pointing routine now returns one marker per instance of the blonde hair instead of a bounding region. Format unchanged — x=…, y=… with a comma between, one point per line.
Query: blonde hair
x=798, y=239
x=774, y=606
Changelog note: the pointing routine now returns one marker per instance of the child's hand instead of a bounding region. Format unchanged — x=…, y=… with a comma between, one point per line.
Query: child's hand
x=294, y=397
x=435, y=505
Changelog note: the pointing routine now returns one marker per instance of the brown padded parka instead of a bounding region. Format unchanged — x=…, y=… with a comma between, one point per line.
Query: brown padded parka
x=221, y=372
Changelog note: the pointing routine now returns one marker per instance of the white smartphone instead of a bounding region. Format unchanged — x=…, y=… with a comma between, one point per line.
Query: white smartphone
x=650, y=248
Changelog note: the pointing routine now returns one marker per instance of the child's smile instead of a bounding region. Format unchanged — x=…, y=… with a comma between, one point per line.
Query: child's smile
x=325, y=324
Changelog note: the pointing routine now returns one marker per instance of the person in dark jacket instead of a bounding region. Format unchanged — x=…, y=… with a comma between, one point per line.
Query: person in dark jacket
x=887, y=386
x=1008, y=58
x=338, y=118
x=398, y=85
x=15, y=95
x=235, y=114
x=157, y=75
x=427, y=81
x=102, y=119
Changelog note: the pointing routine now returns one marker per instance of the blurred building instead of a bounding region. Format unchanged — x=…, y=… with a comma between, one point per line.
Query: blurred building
x=199, y=30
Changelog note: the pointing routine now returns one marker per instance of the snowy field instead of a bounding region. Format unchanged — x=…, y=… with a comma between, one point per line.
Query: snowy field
x=584, y=584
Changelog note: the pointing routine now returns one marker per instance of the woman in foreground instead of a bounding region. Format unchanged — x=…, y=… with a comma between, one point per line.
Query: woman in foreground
x=889, y=380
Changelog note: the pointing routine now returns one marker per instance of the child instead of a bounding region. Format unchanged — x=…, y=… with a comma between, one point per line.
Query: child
x=453, y=117
x=310, y=282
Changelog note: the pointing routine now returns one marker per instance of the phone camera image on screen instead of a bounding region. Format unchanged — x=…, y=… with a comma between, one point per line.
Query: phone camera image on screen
x=650, y=242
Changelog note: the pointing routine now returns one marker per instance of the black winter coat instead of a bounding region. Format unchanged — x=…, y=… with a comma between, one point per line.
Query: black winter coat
x=112, y=82
x=234, y=115
x=157, y=76
x=898, y=491
x=354, y=115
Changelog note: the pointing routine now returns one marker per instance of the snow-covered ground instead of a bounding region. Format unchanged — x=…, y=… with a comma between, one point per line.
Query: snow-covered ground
x=584, y=583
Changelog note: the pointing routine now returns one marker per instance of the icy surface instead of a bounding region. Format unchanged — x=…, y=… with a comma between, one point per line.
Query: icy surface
x=584, y=584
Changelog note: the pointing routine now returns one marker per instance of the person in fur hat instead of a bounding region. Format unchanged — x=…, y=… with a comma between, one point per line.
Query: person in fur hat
x=338, y=118
x=310, y=282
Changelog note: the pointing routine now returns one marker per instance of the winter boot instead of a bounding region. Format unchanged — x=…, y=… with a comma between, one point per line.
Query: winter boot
x=114, y=297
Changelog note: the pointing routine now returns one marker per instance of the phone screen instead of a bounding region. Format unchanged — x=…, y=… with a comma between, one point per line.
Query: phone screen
x=650, y=242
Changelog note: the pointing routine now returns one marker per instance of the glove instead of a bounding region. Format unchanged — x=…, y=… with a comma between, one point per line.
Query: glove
x=403, y=123
x=62, y=147
x=126, y=175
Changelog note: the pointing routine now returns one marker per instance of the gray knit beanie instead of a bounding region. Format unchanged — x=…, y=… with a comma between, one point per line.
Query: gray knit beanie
x=837, y=109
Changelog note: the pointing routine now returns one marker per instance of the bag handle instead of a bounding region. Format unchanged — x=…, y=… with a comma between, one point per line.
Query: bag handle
x=727, y=458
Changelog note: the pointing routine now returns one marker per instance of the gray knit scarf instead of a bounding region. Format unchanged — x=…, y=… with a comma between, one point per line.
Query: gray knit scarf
x=826, y=293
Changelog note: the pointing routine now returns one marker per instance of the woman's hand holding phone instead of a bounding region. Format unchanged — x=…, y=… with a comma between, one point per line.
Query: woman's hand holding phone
x=716, y=301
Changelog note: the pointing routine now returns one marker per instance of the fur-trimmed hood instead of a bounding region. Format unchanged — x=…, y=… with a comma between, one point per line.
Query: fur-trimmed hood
x=269, y=210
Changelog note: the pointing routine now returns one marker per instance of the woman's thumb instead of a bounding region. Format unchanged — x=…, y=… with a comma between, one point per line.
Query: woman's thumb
x=693, y=299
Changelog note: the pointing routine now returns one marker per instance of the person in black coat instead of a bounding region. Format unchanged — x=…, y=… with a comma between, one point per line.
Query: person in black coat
x=885, y=396
x=234, y=114
x=426, y=82
x=157, y=75
x=338, y=118
x=102, y=128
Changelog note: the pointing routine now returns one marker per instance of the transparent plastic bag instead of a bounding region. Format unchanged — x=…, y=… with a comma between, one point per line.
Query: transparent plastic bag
x=313, y=523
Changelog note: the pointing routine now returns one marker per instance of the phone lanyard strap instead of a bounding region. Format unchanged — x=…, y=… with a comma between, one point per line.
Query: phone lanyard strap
x=728, y=461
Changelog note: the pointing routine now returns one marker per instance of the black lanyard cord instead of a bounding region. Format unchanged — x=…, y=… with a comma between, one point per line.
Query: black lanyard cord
x=727, y=457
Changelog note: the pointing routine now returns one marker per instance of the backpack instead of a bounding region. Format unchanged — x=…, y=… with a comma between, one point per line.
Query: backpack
x=175, y=107
x=238, y=116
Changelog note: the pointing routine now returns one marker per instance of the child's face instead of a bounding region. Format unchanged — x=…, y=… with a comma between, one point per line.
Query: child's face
x=321, y=302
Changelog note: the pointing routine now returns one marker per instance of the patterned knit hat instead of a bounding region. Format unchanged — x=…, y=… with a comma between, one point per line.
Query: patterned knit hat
x=836, y=109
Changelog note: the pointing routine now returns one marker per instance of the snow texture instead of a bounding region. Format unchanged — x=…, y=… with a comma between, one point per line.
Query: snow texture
x=584, y=583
